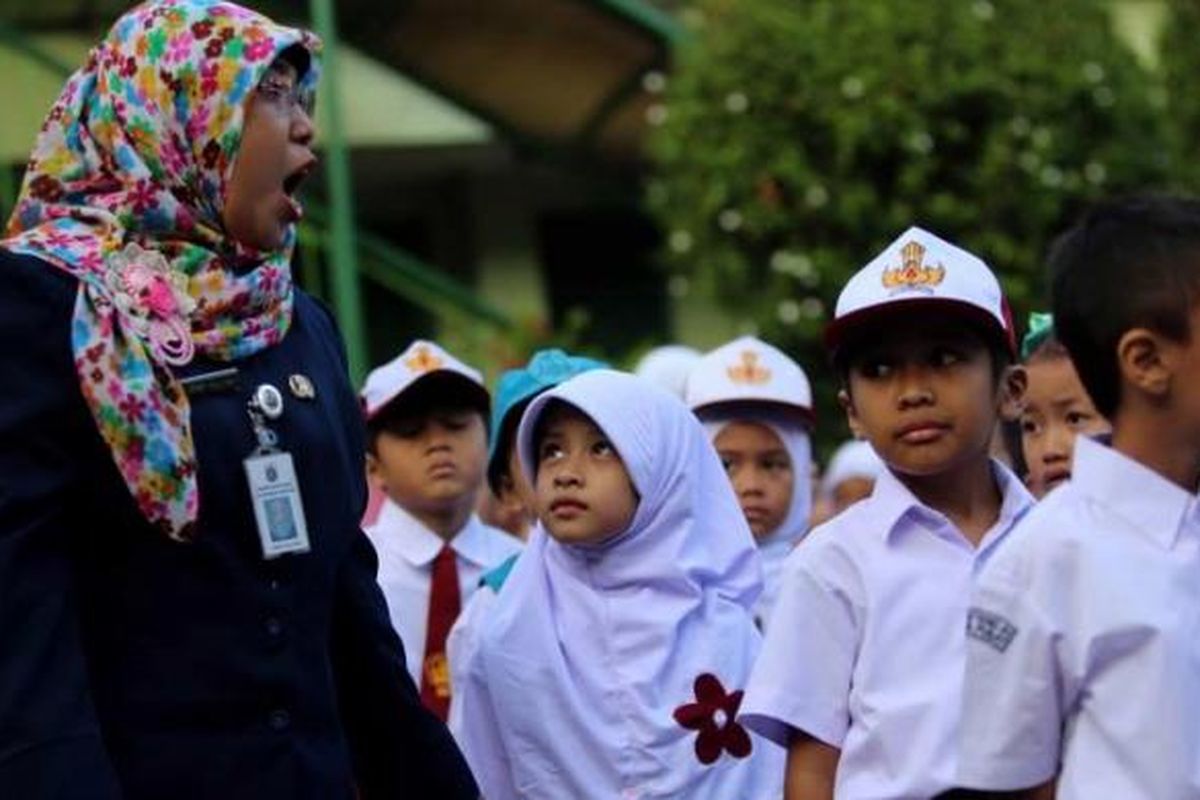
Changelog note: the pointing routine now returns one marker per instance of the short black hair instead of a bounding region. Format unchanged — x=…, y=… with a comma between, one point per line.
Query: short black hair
x=497, y=468
x=431, y=394
x=867, y=335
x=1130, y=263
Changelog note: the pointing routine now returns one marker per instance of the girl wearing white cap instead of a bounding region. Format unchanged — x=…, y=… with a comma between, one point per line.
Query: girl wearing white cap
x=614, y=661
x=756, y=404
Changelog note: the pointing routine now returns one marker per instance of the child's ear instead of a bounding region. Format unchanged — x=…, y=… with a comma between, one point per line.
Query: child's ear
x=847, y=404
x=373, y=468
x=1014, y=382
x=1146, y=361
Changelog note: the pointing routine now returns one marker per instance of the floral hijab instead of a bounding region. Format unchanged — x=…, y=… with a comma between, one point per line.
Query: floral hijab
x=124, y=190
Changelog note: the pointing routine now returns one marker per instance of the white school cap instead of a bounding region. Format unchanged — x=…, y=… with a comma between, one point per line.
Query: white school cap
x=668, y=366
x=422, y=363
x=749, y=370
x=921, y=271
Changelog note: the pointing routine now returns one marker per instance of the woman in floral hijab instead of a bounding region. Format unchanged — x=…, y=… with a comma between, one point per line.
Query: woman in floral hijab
x=150, y=251
x=126, y=190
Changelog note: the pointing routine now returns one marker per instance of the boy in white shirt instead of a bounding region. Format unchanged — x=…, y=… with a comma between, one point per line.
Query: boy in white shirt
x=427, y=444
x=1083, y=663
x=860, y=671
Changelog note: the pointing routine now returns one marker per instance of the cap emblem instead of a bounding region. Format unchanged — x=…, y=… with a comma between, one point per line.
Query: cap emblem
x=423, y=361
x=913, y=272
x=748, y=370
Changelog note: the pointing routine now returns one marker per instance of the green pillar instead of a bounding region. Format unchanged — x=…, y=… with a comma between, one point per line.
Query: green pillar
x=341, y=254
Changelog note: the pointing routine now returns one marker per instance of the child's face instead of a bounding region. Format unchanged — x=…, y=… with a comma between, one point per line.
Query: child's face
x=850, y=491
x=1056, y=409
x=583, y=493
x=431, y=462
x=925, y=398
x=760, y=470
x=511, y=507
x=516, y=481
x=1183, y=389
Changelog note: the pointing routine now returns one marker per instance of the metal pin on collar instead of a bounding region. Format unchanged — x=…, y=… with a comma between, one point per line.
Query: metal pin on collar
x=302, y=386
x=268, y=401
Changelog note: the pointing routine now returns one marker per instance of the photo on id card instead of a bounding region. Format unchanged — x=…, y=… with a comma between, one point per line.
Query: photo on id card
x=278, y=511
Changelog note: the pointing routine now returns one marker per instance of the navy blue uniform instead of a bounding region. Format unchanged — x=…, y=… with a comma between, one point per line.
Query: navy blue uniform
x=139, y=668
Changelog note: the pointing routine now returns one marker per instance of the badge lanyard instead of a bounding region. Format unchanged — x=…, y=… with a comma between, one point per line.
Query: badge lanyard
x=274, y=490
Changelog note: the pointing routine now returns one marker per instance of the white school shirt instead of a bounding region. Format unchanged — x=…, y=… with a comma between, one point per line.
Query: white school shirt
x=461, y=644
x=406, y=551
x=866, y=645
x=1084, y=642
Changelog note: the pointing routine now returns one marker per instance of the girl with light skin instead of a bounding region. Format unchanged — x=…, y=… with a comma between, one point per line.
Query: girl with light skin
x=628, y=614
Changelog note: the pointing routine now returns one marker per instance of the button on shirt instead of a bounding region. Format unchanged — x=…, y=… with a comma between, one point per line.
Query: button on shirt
x=1085, y=642
x=406, y=552
x=865, y=649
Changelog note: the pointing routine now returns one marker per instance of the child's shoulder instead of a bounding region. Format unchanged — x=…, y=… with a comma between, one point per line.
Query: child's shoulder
x=844, y=543
x=500, y=544
x=1054, y=530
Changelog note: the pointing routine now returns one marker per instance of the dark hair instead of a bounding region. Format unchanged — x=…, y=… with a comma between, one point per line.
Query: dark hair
x=498, y=467
x=432, y=394
x=868, y=334
x=552, y=407
x=1129, y=263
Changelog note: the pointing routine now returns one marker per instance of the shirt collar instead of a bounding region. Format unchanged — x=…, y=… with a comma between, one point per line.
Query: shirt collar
x=411, y=539
x=1143, y=498
x=893, y=503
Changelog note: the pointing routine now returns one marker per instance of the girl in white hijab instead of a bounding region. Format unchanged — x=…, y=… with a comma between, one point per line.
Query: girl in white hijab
x=756, y=405
x=614, y=662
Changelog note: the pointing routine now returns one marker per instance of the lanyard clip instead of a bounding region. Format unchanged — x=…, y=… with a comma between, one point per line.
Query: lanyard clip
x=265, y=404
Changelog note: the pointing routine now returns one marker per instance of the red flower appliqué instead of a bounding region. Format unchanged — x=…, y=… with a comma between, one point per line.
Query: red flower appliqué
x=714, y=716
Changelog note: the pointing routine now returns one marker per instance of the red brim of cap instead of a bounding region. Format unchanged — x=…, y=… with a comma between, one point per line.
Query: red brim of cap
x=473, y=394
x=842, y=329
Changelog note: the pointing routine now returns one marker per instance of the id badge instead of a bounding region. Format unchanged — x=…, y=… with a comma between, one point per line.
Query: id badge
x=278, y=511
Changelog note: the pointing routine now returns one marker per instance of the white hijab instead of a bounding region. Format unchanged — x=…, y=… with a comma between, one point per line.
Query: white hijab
x=591, y=650
x=775, y=546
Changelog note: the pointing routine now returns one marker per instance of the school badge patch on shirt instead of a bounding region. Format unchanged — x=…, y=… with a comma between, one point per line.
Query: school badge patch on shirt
x=990, y=628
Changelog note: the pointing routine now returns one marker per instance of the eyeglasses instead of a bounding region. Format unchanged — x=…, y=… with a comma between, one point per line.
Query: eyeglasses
x=285, y=94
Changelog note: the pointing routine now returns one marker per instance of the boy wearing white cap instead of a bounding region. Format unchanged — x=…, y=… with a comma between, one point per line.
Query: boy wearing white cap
x=1083, y=649
x=860, y=671
x=756, y=406
x=427, y=445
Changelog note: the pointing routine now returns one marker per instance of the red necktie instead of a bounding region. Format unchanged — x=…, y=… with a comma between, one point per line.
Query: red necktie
x=444, y=605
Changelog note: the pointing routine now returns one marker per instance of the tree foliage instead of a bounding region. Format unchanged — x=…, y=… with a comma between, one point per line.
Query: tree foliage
x=1180, y=65
x=797, y=137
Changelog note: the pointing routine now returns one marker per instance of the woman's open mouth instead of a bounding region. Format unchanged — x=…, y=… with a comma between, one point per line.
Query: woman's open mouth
x=291, y=186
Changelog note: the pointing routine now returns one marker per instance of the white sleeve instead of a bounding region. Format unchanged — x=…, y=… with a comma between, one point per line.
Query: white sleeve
x=480, y=736
x=461, y=644
x=1013, y=698
x=801, y=680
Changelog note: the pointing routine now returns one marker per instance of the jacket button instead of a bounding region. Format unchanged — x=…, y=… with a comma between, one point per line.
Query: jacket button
x=274, y=628
x=279, y=720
